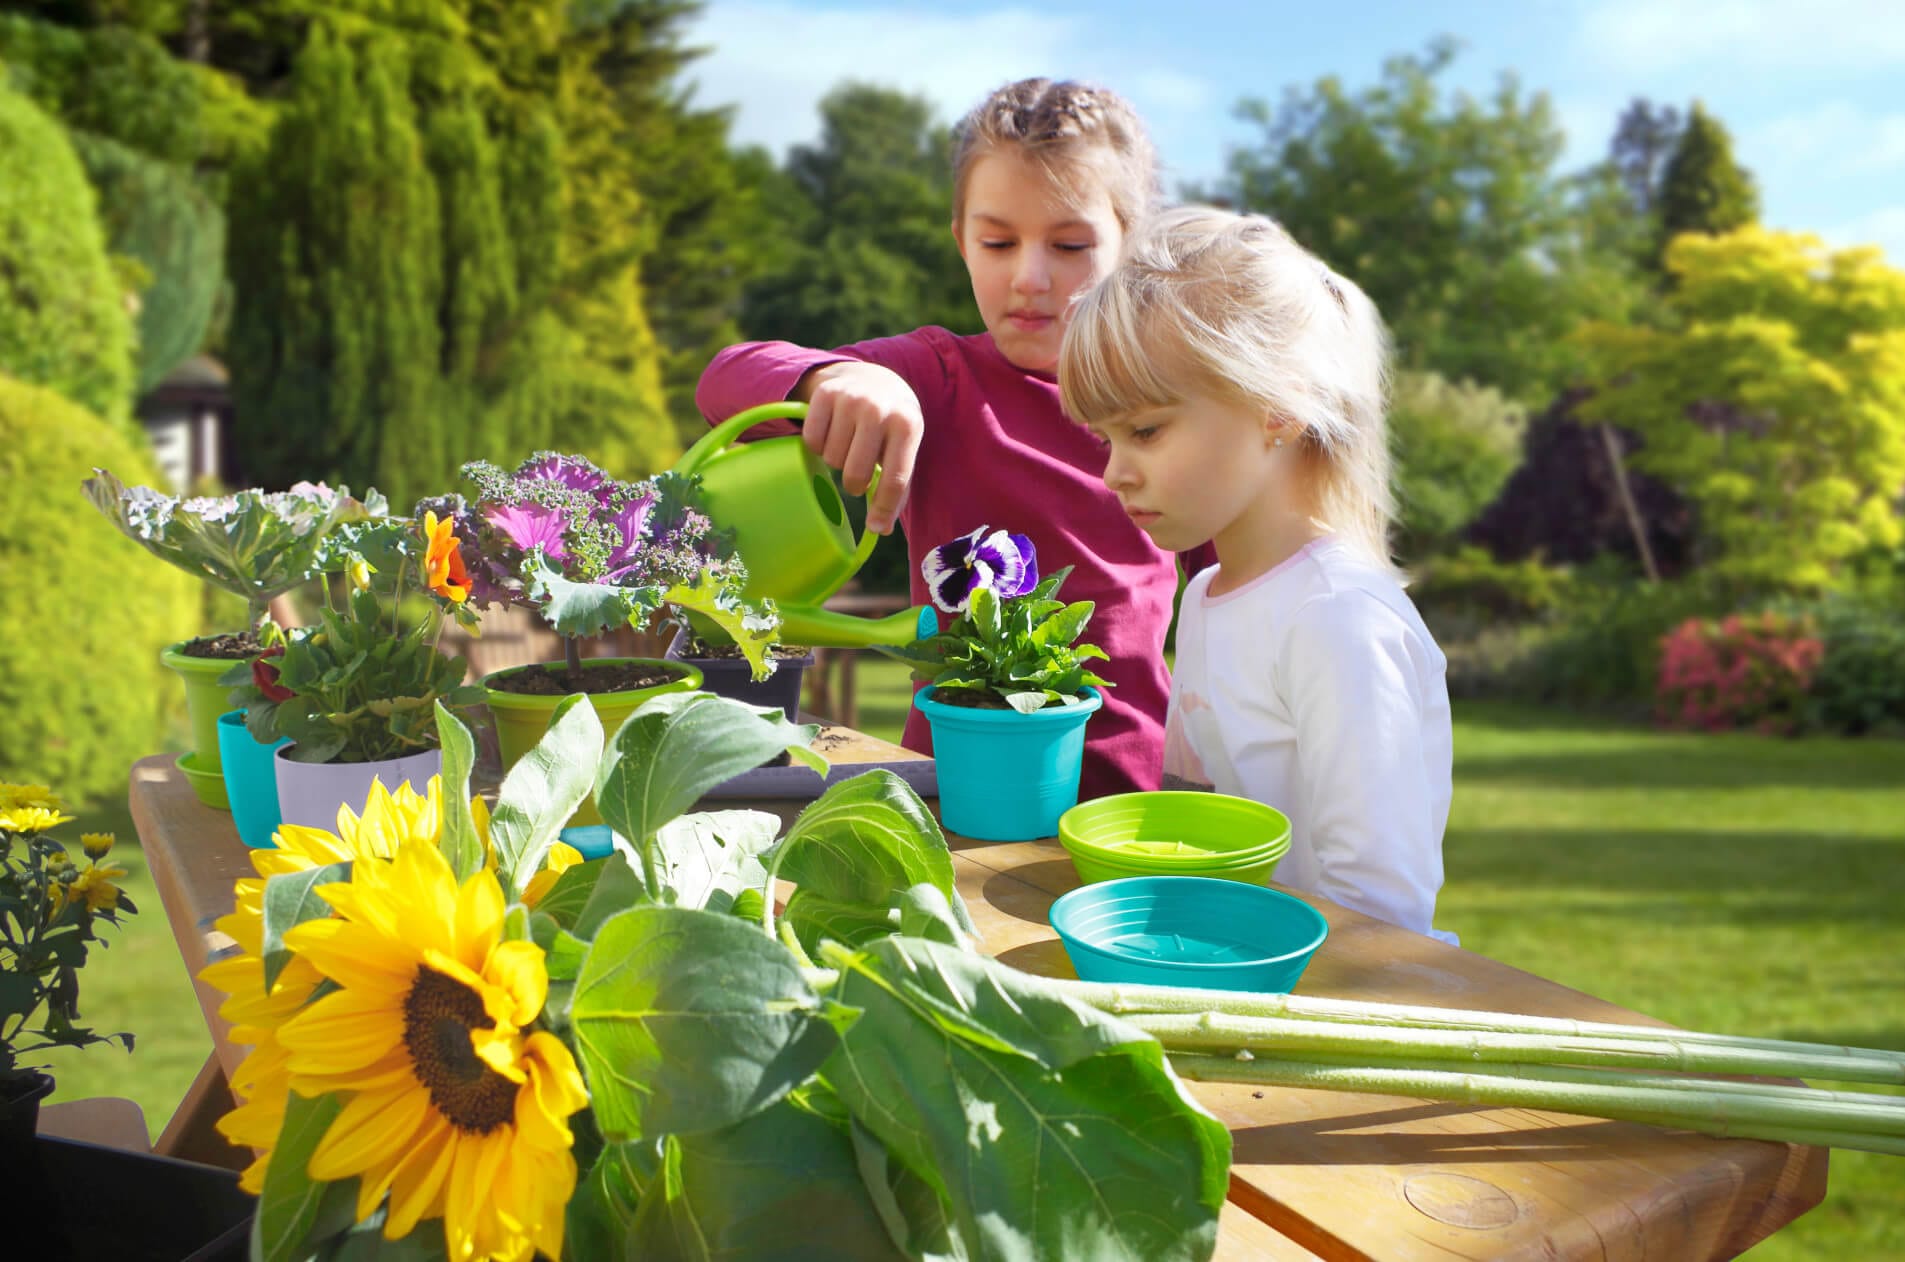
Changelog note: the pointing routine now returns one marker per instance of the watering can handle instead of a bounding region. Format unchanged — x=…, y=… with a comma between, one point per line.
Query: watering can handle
x=732, y=428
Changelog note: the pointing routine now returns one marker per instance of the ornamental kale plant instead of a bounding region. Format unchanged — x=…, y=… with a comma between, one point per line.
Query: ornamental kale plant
x=590, y=552
x=255, y=544
x=1014, y=639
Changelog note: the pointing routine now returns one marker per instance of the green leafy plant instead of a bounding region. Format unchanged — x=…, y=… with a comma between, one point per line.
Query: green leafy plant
x=50, y=909
x=649, y=1059
x=255, y=544
x=1014, y=643
x=361, y=683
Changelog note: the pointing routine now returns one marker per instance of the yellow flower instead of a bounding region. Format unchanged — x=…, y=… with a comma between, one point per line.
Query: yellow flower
x=93, y=886
x=32, y=819
x=96, y=844
x=562, y=857
x=443, y=565
x=360, y=571
x=12, y=795
x=454, y=1105
x=260, y=1084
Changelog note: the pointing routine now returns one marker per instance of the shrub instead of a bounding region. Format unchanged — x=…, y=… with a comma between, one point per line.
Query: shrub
x=1470, y=588
x=86, y=613
x=63, y=319
x=1455, y=445
x=1741, y=671
x=1604, y=649
x=1860, y=685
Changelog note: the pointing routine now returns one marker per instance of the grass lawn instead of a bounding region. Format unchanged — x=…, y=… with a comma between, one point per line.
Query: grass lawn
x=1730, y=883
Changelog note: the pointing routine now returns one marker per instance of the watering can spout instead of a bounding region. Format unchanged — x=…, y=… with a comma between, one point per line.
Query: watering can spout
x=801, y=624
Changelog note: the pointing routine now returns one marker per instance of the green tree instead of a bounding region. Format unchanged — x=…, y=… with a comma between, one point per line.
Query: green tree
x=1703, y=188
x=1773, y=398
x=63, y=318
x=1447, y=211
x=1455, y=445
x=337, y=259
x=874, y=252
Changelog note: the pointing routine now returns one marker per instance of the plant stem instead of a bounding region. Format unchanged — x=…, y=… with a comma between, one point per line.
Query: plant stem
x=1642, y=1049
x=1633, y=1098
x=1124, y=1001
x=572, y=653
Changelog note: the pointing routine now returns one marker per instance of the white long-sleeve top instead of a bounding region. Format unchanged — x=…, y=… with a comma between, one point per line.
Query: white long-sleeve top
x=1315, y=688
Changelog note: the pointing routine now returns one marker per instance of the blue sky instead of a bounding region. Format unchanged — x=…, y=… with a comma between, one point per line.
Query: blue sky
x=1814, y=92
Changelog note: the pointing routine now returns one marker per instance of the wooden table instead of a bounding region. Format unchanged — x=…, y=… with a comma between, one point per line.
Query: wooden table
x=1314, y=1174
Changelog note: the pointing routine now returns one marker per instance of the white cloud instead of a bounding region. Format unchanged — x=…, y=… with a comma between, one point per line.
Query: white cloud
x=1833, y=35
x=1834, y=137
x=1884, y=227
x=775, y=60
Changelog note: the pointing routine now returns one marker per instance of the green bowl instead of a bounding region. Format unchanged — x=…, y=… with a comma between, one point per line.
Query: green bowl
x=1171, y=833
x=207, y=782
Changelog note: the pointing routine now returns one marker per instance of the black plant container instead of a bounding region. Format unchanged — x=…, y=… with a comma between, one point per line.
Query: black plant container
x=731, y=677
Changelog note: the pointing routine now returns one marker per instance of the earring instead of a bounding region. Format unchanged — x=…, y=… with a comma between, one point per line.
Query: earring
x=1277, y=441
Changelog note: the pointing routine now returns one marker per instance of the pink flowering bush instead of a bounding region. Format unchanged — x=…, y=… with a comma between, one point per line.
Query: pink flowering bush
x=1742, y=671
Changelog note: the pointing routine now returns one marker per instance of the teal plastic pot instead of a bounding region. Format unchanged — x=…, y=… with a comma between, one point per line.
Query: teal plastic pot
x=1188, y=931
x=1006, y=776
x=251, y=780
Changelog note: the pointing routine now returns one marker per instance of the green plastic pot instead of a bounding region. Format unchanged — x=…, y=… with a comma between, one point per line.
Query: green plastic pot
x=205, y=700
x=521, y=719
x=1170, y=833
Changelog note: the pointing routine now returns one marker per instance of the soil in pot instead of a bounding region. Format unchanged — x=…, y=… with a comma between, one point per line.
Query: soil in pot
x=547, y=679
x=697, y=651
x=224, y=646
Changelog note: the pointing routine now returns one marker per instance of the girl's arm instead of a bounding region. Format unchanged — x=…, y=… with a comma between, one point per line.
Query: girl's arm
x=1365, y=691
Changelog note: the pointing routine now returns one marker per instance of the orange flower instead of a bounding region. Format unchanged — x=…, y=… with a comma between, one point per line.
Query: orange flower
x=443, y=566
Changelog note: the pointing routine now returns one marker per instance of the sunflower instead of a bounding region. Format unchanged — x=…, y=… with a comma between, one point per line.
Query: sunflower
x=453, y=1104
x=262, y=1081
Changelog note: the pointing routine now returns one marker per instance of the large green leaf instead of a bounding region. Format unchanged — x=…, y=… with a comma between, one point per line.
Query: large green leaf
x=459, y=840
x=687, y=1020
x=780, y=1186
x=543, y=789
x=602, y=1210
x=678, y=746
x=291, y=898
x=1051, y=1130
x=293, y=1209
x=816, y=919
x=585, y=609
x=866, y=841
x=706, y=860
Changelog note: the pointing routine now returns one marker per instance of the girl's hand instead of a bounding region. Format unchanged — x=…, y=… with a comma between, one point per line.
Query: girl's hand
x=860, y=415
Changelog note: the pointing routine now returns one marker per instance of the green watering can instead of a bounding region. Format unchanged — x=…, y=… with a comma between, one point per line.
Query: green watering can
x=791, y=528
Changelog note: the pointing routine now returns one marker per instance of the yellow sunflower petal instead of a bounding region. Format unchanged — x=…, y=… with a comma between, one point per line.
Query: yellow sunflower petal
x=479, y=918
x=355, y=956
x=417, y=1191
x=371, y=1133
x=516, y=968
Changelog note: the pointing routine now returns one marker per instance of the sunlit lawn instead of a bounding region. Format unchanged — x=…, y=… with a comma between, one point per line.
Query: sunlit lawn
x=1729, y=883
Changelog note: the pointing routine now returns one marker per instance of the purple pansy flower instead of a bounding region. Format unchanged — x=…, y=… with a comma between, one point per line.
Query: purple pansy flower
x=528, y=526
x=1004, y=562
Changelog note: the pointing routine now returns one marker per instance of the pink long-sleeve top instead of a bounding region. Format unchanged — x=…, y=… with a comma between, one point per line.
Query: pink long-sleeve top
x=999, y=451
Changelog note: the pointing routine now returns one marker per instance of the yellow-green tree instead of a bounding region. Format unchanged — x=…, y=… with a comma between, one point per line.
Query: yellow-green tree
x=1773, y=398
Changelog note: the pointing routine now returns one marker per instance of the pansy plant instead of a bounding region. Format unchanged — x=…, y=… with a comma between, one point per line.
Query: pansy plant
x=590, y=552
x=1013, y=641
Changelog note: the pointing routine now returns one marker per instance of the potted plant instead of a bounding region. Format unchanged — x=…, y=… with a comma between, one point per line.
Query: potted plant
x=355, y=692
x=726, y=672
x=255, y=544
x=589, y=553
x=50, y=910
x=1010, y=689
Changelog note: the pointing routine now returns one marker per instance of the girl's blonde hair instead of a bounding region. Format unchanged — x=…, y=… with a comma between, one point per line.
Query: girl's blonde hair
x=1229, y=306
x=1066, y=127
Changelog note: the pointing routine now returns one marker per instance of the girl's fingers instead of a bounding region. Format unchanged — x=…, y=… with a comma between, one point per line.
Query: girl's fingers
x=896, y=478
x=862, y=454
x=848, y=418
x=819, y=421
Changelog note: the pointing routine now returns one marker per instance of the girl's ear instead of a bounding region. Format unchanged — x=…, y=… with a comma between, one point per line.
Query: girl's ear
x=959, y=239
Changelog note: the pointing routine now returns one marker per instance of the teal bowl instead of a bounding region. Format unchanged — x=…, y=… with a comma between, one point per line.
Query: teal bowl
x=1188, y=931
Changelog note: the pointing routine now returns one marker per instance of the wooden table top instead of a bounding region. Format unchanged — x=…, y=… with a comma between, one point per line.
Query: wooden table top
x=1315, y=1174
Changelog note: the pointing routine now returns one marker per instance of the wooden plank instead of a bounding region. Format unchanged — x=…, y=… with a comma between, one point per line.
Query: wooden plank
x=1353, y=1176
x=107, y=1120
